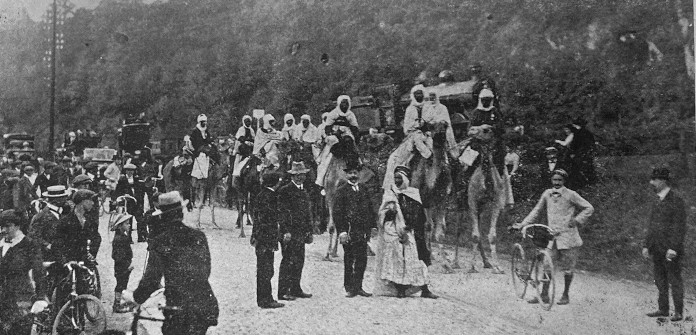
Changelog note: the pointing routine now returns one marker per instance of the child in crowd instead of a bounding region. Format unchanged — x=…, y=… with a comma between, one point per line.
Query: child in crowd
x=123, y=256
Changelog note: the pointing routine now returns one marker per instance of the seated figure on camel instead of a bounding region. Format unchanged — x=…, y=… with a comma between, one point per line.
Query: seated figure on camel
x=265, y=143
x=422, y=121
x=341, y=128
x=485, y=146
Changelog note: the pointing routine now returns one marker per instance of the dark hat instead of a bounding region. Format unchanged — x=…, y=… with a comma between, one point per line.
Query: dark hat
x=353, y=165
x=91, y=165
x=270, y=178
x=50, y=165
x=8, y=173
x=81, y=179
x=28, y=167
x=298, y=168
x=82, y=195
x=403, y=170
x=660, y=173
x=10, y=216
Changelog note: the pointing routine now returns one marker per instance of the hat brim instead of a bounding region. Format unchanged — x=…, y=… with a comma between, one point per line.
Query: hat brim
x=121, y=220
x=159, y=211
x=47, y=195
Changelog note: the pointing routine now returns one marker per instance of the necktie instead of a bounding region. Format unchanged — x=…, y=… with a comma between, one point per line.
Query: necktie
x=355, y=188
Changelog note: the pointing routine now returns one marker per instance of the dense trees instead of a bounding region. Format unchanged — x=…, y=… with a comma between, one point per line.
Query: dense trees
x=621, y=63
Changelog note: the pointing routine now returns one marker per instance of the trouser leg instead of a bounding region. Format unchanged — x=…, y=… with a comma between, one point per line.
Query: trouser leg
x=264, y=274
x=298, y=264
x=661, y=281
x=348, y=267
x=284, y=271
x=360, y=255
x=676, y=284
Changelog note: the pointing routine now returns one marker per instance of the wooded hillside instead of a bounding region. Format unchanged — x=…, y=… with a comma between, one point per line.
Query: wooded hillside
x=626, y=65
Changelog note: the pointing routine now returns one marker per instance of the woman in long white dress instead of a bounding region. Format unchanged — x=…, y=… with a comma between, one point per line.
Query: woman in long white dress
x=398, y=271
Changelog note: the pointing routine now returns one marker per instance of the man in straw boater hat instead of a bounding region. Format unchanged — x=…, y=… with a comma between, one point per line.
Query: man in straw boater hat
x=355, y=218
x=295, y=230
x=42, y=228
x=664, y=243
x=181, y=255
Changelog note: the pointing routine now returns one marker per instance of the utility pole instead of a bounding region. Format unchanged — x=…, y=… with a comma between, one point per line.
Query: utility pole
x=52, y=109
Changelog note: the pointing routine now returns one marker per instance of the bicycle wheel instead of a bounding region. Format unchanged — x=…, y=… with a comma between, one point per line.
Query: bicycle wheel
x=84, y=315
x=545, y=280
x=519, y=271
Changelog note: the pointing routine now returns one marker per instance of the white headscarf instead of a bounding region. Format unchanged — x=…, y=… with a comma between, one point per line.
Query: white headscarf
x=418, y=87
x=287, y=117
x=485, y=93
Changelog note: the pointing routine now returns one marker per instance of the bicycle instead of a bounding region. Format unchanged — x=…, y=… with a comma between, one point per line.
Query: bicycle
x=137, y=314
x=81, y=314
x=537, y=271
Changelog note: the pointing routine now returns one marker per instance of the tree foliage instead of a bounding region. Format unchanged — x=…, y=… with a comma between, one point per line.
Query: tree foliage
x=553, y=61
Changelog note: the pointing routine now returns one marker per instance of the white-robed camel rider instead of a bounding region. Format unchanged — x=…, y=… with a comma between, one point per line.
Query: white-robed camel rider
x=418, y=118
x=341, y=129
x=265, y=142
x=308, y=135
x=244, y=145
x=288, y=126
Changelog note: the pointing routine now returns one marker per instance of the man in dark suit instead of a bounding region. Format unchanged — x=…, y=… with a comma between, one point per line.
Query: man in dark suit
x=664, y=243
x=42, y=228
x=582, y=150
x=20, y=255
x=24, y=191
x=181, y=255
x=264, y=237
x=354, y=217
x=295, y=231
x=47, y=178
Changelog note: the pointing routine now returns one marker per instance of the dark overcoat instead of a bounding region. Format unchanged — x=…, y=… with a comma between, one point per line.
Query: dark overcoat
x=265, y=230
x=14, y=271
x=181, y=255
x=42, y=230
x=353, y=212
x=667, y=226
x=295, y=212
x=71, y=239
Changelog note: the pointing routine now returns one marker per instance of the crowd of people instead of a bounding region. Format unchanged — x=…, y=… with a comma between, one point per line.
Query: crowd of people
x=64, y=226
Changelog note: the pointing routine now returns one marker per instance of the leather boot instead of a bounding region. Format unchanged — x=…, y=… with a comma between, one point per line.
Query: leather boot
x=565, y=299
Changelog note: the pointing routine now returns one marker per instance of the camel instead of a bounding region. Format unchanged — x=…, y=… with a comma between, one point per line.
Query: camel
x=216, y=172
x=432, y=178
x=478, y=195
x=247, y=185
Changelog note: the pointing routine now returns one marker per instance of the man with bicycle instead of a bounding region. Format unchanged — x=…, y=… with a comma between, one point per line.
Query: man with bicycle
x=181, y=255
x=565, y=210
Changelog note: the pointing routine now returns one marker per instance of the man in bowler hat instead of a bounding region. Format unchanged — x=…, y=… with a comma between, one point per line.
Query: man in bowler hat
x=264, y=237
x=664, y=243
x=355, y=217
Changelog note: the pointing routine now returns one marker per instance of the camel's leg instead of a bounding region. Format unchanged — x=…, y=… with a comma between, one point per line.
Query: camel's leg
x=200, y=209
x=245, y=205
x=459, y=217
x=492, y=236
x=240, y=211
x=330, y=229
x=438, y=215
x=212, y=214
x=475, y=232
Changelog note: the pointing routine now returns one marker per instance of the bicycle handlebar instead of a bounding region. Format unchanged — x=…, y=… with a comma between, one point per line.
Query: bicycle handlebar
x=125, y=196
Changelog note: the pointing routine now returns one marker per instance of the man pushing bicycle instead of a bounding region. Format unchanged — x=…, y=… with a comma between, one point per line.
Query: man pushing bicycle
x=565, y=210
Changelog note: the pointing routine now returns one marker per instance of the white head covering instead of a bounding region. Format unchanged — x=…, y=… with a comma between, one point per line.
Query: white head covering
x=287, y=117
x=201, y=117
x=485, y=93
x=246, y=117
x=266, y=121
x=338, y=103
x=418, y=87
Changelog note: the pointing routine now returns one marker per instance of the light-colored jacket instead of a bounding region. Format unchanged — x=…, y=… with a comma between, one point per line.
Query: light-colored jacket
x=562, y=205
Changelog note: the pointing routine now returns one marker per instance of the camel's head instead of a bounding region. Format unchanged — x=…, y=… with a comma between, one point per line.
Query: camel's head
x=483, y=132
